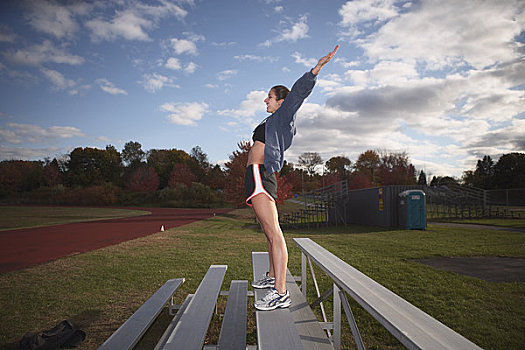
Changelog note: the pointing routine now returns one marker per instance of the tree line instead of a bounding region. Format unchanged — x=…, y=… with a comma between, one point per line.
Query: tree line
x=174, y=177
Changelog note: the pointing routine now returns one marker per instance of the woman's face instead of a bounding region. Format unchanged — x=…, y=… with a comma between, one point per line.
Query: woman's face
x=272, y=104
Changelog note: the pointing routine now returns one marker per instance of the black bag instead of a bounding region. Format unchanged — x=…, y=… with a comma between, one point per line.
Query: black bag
x=63, y=335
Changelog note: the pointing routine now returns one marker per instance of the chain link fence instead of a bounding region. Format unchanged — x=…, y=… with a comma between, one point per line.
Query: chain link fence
x=454, y=201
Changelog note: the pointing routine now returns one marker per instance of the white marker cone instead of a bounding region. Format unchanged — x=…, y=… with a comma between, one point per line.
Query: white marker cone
x=162, y=228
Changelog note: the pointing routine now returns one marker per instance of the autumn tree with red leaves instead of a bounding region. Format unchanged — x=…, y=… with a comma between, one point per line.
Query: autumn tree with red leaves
x=143, y=179
x=235, y=170
x=396, y=169
x=181, y=174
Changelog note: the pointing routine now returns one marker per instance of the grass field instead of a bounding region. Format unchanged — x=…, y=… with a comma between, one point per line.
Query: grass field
x=99, y=290
x=23, y=217
x=515, y=223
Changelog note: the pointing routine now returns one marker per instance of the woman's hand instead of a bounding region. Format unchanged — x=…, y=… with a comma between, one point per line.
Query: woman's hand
x=324, y=60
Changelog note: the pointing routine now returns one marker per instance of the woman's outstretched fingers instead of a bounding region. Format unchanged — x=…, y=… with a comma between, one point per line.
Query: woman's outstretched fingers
x=324, y=60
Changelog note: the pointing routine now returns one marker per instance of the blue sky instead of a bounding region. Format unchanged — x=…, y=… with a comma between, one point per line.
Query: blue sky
x=443, y=81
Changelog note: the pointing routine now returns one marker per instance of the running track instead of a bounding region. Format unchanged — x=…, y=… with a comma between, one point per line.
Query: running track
x=27, y=247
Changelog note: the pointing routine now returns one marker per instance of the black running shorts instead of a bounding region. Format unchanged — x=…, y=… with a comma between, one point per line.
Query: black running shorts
x=257, y=181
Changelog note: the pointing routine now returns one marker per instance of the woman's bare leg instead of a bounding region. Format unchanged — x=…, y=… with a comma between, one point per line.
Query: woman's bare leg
x=271, y=271
x=267, y=215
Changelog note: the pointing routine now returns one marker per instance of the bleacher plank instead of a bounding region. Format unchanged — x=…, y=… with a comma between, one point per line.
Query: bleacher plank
x=312, y=335
x=233, y=330
x=164, y=338
x=275, y=329
x=190, y=331
x=411, y=326
x=127, y=336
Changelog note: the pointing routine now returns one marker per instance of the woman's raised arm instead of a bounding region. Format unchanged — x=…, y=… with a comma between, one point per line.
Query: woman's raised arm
x=324, y=60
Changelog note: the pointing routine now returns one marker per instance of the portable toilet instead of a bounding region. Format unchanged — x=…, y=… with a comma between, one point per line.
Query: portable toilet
x=412, y=210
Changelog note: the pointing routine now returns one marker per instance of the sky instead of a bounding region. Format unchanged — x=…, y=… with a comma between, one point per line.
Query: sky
x=442, y=80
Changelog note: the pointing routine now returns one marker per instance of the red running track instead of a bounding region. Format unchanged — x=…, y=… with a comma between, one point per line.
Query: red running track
x=27, y=247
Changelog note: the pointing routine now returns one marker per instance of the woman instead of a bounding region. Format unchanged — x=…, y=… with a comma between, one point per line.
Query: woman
x=271, y=138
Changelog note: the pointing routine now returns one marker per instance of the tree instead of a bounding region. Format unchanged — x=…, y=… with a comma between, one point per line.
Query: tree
x=199, y=163
x=330, y=179
x=395, y=169
x=359, y=181
x=132, y=154
x=484, y=173
x=52, y=174
x=310, y=160
x=367, y=164
x=284, y=189
x=163, y=161
x=468, y=178
x=181, y=174
x=339, y=166
x=444, y=181
x=286, y=169
x=509, y=171
x=294, y=179
x=20, y=176
x=235, y=171
x=143, y=179
x=422, y=179
x=111, y=165
x=215, y=178
x=93, y=166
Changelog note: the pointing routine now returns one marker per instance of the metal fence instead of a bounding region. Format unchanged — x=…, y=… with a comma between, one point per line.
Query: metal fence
x=508, y=197
x=379, y=206
x=454, y=201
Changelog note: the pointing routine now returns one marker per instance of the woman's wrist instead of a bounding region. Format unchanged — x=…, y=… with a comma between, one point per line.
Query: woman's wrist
x=316, y=70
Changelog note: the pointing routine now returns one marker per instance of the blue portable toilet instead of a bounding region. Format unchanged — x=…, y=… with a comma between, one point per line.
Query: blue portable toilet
x=412, y=210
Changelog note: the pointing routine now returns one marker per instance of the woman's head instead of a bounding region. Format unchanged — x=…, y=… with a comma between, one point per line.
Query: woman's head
x=275, y=98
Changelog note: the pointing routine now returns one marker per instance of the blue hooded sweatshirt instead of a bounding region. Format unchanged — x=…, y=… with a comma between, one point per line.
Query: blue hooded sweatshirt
x=280, y=126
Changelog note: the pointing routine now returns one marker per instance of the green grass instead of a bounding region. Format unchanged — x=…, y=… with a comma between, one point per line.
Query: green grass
x=101, y=289
x=24, y=217
x=512, y=223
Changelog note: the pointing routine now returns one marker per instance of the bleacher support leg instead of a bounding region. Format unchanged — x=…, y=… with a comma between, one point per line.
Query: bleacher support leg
x=336, y=336
x=303, y=274
x=351, y=321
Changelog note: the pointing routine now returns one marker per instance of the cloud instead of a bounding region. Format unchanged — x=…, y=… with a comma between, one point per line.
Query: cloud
x=54, y=19
x=185, y=113
x=297, y=31
x=155, y=82
x=7, y=35
x=173, y=63
x=362, y=11
x=183, y=46
x=256, y=58
x=19, y=133
x=191, y=68
x=452, y=34
x=443, y=81
x=25, y=153
x=249, y=107
x=226, y=74
x=127, y=24
x=165, y=9
x=134, y=21
x=57, y=79
x=38, y=54
x=308, y=62
x=107, y=86
x=224, y=44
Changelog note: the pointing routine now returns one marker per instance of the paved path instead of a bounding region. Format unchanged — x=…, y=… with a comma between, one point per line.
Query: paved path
x=27, y=247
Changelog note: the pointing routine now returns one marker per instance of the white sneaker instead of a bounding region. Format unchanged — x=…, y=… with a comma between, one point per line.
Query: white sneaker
x=272, y=300
x=265, y=282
